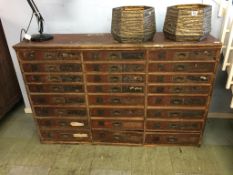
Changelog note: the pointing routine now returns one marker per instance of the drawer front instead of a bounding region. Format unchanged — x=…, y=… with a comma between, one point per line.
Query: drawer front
x=116, y=78
x=66, y=135
x=55, y=88
x=115, y=89
x=177, y=100
x=176, y=55
x=41, y=55
x=50, y=67
x=176, y=113
x=117, y=124
x=179, y=89
x=182, y=67
x=54, y=78
x=111, y=68
x=57, y=99
x=63, y=123
x=115, y=100
x=60, y=112
x=174, y=138
x=173, y=126
x=180, y=78
x=116, y=112
x=117, y=137
x=113, y=55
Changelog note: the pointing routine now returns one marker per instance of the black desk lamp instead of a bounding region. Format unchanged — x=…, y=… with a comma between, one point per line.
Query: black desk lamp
x=41, y=36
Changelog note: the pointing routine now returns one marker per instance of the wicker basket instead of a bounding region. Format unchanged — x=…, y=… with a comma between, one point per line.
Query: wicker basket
x=132, y=24
x=191, y=22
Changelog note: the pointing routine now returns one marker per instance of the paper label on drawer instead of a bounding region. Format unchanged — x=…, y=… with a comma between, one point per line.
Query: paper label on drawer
x=76, y=124
x=194, y=13
x=78, y=135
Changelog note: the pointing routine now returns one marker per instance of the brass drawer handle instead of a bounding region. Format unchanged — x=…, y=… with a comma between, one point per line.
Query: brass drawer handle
x=67, y=55
x=31, y=55
x=138, y=78
x=116, y=89
x=115, y=113
x=138, y=89
x=117, y=124
x=114, y=79
x=117, y=137
x=135, y=89
x=172, y=139
x=182, y=55
x=138, y=68
x=65, y=136
x=114, y=56
x=57, y=88
x=176, y=101
x=116, y=101
x=174, y=126
x=61, y=112
x=79, y=135
x=174, y=114
x=63, y=123
x=51, y=68
x=54, y=78
x=207, y=53
x=76, y=124
x=180, y=67
x=59, y=100
x=177, y=89
x=48, y=56
x=114, y=68
x=179, y=79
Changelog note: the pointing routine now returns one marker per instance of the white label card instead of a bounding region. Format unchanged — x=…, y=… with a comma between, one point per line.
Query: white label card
x=194, y=13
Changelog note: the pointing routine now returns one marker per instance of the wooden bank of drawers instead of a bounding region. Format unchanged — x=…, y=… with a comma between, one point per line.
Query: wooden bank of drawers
x=88, y=88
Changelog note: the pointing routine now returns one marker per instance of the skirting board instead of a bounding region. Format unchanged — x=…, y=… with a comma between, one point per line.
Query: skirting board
x=220, y=115
x=28, y=110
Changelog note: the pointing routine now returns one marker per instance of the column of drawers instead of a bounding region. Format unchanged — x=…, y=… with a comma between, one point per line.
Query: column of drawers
x=179, y=88
x=55, y=85
x=116, y=95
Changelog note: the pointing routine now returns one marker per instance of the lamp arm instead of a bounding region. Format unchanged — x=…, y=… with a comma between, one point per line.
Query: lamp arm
x=38, y=15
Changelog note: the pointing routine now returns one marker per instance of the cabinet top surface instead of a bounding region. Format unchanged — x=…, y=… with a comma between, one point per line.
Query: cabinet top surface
x=106, y=40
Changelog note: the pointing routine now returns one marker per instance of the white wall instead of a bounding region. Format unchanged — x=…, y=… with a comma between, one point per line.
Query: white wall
x=77, y=16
